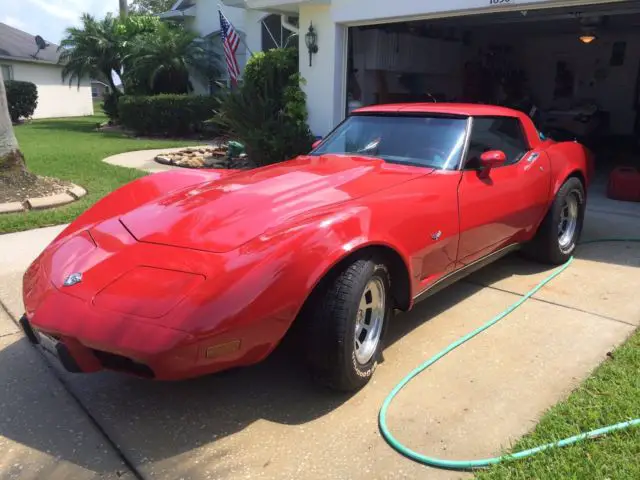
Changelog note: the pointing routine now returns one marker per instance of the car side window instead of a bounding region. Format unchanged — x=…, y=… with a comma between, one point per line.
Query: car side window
x=496, y=133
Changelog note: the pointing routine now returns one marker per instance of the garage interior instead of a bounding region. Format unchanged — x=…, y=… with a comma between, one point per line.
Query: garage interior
x=575, y=71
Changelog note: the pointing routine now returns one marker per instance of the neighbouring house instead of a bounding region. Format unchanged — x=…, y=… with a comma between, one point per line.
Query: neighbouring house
x=99, y=89
x=22, y=58
x=258, y=30
x=575, y=61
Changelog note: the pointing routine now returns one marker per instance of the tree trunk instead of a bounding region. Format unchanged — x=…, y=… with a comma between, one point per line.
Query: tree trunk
x=124, y=9
x=11, y=159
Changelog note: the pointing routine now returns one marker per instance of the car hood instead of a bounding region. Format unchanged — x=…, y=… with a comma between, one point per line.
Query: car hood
x=223, y=214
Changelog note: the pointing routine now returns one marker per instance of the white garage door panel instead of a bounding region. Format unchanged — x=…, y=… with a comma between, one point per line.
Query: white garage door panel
x=361, y=12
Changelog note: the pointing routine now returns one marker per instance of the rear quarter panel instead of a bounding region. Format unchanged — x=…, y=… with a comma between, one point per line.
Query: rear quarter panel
x=566, y=159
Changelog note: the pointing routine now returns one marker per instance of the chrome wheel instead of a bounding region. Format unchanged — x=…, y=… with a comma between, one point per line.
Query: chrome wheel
x=568, y=221
x=369, y=320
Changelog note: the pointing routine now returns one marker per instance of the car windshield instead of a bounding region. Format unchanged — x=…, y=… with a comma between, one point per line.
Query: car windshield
x=425, y=141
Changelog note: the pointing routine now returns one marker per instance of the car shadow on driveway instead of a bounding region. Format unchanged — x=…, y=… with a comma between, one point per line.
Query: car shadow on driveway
x=43, y=432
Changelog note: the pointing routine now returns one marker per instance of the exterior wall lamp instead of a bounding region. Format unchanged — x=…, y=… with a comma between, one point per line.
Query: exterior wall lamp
x=311, y=39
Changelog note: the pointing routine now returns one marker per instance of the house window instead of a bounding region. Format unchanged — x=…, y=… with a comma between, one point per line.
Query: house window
x=7, y=72
x=94, y=92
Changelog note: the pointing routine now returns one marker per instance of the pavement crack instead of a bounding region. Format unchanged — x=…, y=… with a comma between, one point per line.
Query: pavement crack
x=93, y=420
x=549, y=302
x=9, y=334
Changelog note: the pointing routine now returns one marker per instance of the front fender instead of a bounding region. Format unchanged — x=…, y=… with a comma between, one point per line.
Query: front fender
x=269, y=279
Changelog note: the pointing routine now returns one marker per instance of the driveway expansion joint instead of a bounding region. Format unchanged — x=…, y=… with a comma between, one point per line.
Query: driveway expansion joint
x=549, y=302
x=128, y=463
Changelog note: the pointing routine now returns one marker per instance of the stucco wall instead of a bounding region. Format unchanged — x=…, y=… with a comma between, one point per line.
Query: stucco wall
x=324, y=87
x=55, y=97
x=207, y=21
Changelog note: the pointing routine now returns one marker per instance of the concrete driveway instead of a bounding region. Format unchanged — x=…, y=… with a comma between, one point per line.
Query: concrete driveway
x=271, y=421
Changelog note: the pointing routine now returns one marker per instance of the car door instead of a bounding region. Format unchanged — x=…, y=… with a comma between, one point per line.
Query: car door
x=504, y=206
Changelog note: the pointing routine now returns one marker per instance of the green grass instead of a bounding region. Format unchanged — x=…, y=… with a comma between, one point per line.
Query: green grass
x=610, y=395
x=71, y=149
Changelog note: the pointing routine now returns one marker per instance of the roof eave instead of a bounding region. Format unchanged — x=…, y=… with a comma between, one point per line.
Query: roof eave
x=29, y=60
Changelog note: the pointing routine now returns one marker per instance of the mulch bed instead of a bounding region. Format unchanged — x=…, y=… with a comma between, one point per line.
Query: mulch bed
x=17, y=188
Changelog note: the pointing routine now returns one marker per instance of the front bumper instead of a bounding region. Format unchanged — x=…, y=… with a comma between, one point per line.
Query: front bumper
x=84, y=341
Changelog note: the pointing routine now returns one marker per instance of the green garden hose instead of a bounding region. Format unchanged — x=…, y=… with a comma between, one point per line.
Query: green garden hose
x=472, y=464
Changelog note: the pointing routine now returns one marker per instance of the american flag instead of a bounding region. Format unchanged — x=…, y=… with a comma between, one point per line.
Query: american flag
x=230, y=42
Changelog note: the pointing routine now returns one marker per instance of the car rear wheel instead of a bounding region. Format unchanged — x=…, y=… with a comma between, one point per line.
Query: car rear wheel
x=346, y=324
x=561, y=228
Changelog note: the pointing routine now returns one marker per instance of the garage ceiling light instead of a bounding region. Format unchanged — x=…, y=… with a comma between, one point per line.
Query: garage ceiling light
x=587, y=38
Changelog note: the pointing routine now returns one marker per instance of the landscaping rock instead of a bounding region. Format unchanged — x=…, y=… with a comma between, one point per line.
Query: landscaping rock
x=164, y=159
x=215, y=156
x=215, y=162
x=242, y=162
x=11, y=207
x=77, y=191
x=191, y=162
x=50, y=201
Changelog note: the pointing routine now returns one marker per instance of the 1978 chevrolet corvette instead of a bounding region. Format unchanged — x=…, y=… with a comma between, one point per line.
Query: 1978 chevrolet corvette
x=185, y=273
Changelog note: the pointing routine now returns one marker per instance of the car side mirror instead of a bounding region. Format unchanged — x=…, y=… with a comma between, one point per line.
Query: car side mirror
x=491, y=159
x=316, y=143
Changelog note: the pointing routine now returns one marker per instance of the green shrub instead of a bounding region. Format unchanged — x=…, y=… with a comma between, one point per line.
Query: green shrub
x=268, y=113
x=167, y=115
x=22, y=98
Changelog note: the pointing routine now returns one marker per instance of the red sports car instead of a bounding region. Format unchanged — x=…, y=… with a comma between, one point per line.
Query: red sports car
x=185, y=273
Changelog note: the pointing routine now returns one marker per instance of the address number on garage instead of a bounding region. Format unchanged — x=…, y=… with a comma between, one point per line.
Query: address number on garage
x=498, y=2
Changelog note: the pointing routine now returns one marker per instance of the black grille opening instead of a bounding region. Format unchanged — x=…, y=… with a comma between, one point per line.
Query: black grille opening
x=121, y=363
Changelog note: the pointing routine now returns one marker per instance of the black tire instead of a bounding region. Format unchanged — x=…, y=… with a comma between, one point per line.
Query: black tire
x=547, y=246
x=330, y=325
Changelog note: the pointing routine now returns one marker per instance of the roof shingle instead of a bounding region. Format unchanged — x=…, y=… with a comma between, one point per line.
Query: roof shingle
x=18, y=45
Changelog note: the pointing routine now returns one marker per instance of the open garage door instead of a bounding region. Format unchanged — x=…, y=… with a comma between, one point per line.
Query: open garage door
x=576, y=71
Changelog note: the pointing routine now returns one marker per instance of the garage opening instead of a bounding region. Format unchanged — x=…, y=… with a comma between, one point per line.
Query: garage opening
x=575, y=71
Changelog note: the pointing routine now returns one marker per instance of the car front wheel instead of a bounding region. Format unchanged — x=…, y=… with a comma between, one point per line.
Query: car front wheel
x=347, y=321
x=561, y=228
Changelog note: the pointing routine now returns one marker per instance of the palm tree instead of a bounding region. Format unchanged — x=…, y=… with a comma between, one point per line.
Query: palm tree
x=93, y=50
x=160, y=61
x=12, y=165
x=124, y=9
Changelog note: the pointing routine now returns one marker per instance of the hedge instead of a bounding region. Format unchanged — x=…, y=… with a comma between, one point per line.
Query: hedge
x=166, y=115
x=22, y=98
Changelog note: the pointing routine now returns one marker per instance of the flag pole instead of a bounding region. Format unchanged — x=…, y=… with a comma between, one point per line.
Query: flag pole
x=239, y=36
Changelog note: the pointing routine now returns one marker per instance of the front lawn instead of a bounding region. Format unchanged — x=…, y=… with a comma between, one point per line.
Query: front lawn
x=71, y=149
x=611, y=395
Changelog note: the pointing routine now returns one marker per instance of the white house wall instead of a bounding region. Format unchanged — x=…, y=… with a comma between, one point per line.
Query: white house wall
x=55, y=97
x=325, y=79
x=245, y=21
